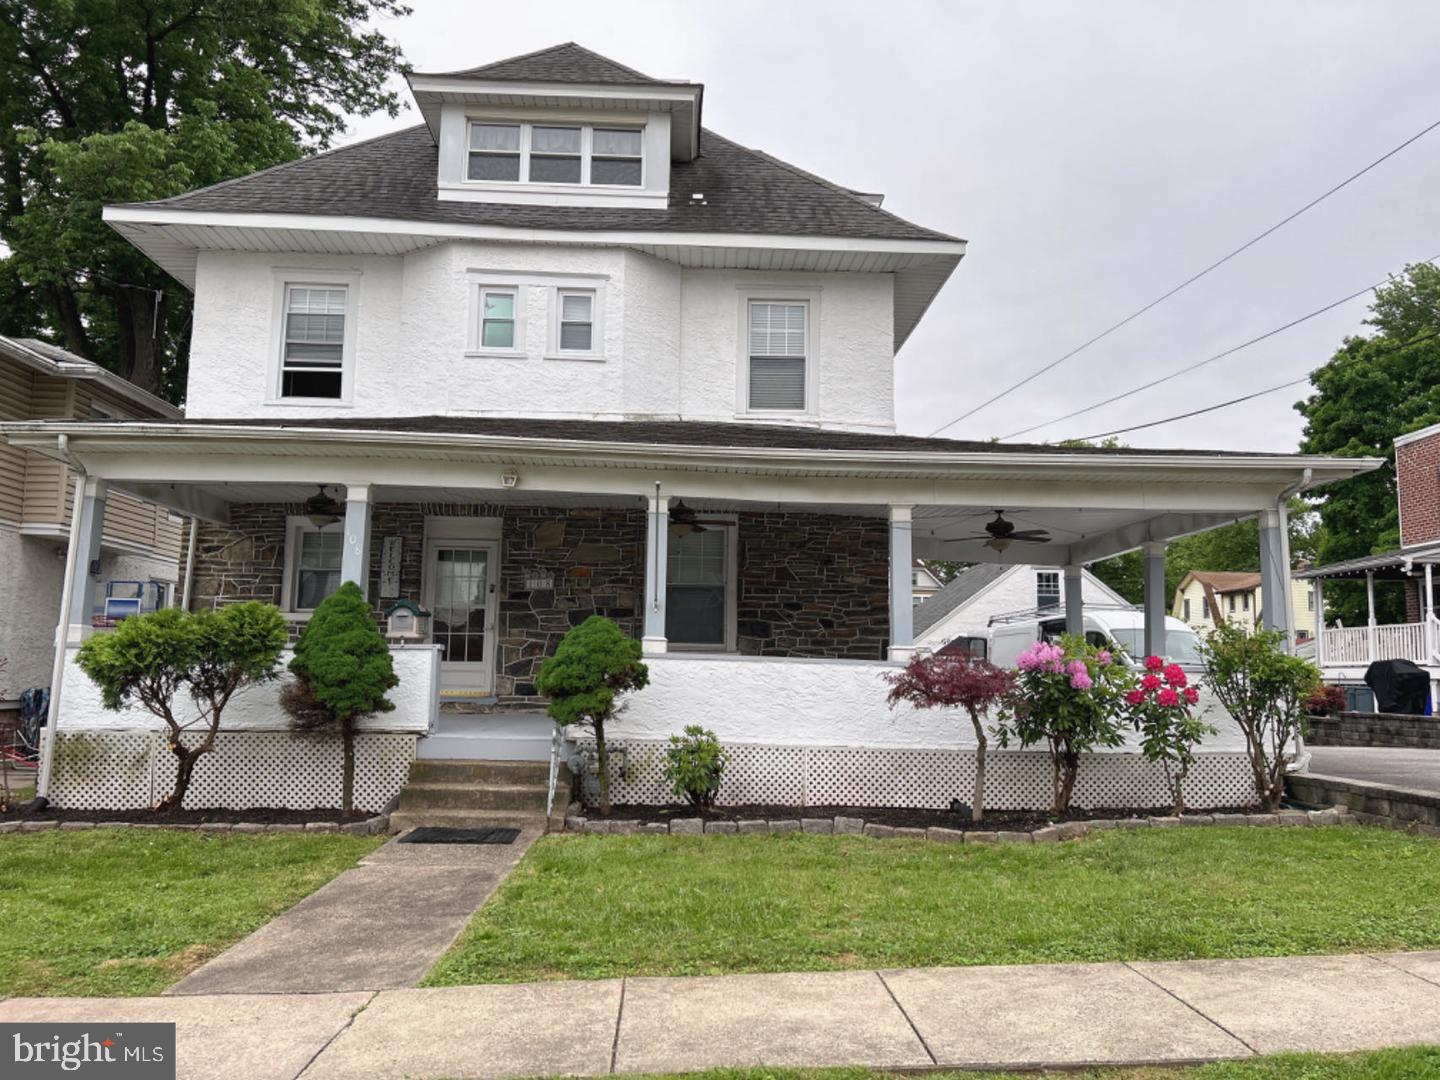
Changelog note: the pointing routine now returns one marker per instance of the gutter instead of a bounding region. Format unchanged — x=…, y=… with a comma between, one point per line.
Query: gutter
x=83, y=369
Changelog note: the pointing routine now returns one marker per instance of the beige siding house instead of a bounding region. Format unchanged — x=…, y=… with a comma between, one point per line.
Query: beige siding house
x=141, y=541
x=1206, y=599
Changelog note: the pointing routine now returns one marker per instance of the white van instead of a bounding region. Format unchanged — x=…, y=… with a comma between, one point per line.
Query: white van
x=1010, y=635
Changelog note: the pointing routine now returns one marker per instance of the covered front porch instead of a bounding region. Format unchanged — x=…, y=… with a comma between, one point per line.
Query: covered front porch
x=767, y=571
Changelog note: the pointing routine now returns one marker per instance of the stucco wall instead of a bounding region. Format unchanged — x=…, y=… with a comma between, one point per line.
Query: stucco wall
x=670, y=337
x=257, y=708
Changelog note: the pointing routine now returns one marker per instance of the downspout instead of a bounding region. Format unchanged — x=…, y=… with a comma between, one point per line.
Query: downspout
x=62, y=628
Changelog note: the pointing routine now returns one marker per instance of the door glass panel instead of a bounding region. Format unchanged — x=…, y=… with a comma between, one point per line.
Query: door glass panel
x=458, y=620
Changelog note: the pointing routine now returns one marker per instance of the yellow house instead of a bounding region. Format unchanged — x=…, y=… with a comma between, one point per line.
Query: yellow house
x=1206, y=599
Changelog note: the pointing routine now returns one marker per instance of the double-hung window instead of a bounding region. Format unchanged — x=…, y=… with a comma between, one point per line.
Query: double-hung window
x=1047, y=589
x=315, y=566
x=582, y=154
x=616, y=156
x=494, y=152
x=577, y=321
x=777, y=349
x=312, y=357
x=554, y=155
x=697, y=588
x=497, y=318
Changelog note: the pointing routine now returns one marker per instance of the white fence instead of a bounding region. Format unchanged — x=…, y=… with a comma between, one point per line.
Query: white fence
x=1362, y=644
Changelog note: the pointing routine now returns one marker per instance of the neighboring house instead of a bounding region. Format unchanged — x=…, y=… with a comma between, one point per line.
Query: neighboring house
x=560, y=351
x=925, y=581
x=1205, y=599
x=140, y=541
x=960, y=613
x=1345, y=652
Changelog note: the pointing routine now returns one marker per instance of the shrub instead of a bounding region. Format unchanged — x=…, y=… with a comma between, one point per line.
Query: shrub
x=1162, y=710
x=342, y=668
x=963, y=681
x=694, y=764
x=594, y=666
x=1069, y=697
x=1326, y=700
x=1264, y=689
x=212, y=655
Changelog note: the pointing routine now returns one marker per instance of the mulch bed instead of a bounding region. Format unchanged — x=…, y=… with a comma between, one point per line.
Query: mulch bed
x=261, y=815
x=1006, y=820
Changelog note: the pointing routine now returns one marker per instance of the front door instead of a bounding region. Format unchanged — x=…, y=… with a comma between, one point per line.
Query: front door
x=461, y=577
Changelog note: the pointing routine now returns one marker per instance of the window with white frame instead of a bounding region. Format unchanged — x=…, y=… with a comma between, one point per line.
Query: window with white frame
x=582, y=154
x=313, y=557
x=497, y=318
x=312, y=351
x=697, y=588
x=576, y=316
x=1187, y=609
x=1047, y=589
x=777, y=348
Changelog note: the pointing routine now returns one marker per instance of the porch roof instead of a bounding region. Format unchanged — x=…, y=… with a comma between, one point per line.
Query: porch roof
x=1387, y=566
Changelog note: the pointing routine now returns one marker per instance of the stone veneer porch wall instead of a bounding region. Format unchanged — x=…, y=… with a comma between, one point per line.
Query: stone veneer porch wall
x=809, y=585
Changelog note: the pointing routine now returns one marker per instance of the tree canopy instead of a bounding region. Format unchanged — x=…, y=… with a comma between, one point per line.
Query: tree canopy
x=113, y=101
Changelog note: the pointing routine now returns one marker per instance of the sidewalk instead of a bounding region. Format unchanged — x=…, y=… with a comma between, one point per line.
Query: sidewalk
x=1060, y=1015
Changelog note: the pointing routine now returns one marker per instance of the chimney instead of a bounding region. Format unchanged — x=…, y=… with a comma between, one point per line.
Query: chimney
x=1417, y=472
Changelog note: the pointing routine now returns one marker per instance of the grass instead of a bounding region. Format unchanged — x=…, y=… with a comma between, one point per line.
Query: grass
x=121, y=912
x=594, y=907
x=1410, y=1063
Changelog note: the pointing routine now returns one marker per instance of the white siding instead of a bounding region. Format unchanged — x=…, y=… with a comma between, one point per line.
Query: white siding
x=1014, y=591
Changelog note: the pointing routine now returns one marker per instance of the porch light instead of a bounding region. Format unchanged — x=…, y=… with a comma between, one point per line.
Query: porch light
x=322, y=510
x=999, y=543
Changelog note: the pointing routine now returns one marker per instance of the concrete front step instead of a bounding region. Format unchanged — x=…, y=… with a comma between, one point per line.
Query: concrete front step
x=400, y=820
x=472, y=796
x=427, y=771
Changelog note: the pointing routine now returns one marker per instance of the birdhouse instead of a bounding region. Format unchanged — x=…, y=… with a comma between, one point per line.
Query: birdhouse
x=407, y=622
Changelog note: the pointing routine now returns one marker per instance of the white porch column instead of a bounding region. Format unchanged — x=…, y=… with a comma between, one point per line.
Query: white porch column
x=902, y=589
x=1274, y=574
x=1074, y=600
x=1318, y=587
x=1427, y=611
x=355, y=555
x=1155, y=599
x=1370, y=617
x=657, y=533
x=82, y=566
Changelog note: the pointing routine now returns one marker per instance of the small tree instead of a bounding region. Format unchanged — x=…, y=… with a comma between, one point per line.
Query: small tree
x=694, y=764
x=342, y=668
x=593, y=667
x=964, y=681
x=212, y=655
x=1264, y=689
x=1162, y=712
x=1070, y=697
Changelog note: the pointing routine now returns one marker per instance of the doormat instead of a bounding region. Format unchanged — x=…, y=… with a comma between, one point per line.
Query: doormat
x=430, y=834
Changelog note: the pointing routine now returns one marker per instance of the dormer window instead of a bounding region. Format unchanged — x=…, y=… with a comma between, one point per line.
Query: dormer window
x=580, y=154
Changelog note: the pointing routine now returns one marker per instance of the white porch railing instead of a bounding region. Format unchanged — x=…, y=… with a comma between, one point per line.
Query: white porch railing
x=1362, y=644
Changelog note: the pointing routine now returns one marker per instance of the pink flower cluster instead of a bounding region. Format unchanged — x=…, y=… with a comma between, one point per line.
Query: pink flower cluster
x=1050, y=659
x=1171, y=683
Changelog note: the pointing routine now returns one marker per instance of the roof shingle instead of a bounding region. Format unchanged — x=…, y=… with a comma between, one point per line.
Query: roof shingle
x=565, y=63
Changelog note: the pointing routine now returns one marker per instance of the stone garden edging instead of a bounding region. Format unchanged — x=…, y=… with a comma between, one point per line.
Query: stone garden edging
x=854, y=826
x=372, y=826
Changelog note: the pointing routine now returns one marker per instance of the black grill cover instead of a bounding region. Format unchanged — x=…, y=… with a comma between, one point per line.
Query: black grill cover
x=1400, y=687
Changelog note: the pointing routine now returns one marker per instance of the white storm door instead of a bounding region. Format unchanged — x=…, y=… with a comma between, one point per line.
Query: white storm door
x=461, y=596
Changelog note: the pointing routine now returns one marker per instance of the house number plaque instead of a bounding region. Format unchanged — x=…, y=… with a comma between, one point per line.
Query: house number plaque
x=390, y=550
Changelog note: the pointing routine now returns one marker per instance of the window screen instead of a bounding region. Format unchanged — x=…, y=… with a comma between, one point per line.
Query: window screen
x=777, y=356
x=314, y=348
x=695, y=591
x=577, y=321
x=317, y=567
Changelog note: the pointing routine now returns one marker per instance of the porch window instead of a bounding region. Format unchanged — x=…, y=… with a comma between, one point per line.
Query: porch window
x=697, y=589
x=1047, y=589
x=777, y=350
x=313, y=350
x=317, y=567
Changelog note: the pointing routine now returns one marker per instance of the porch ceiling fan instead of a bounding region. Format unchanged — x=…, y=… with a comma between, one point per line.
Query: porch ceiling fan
x=683, y=520
x=1000, y=534
x=322, y=509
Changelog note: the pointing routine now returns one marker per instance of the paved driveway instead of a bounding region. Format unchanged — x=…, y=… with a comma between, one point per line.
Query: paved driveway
x=1418, y=770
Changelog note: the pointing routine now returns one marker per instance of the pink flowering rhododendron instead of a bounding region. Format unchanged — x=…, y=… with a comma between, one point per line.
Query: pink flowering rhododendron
x=1151, y=682
x=1135, y=697
x=1104, y=658
x=1160, y=711
x=1042, y=656
x=1168, y=697
x=1154, y=663
x=1080, y=680
x=1192, y=695
x=1175, y=675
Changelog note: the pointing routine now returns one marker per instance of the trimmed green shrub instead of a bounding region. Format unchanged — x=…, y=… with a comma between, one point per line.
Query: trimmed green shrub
x=694, y=765
x=342, y=668
x=594, y=666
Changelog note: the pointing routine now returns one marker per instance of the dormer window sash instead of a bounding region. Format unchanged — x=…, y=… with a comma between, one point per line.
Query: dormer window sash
x=584, y=155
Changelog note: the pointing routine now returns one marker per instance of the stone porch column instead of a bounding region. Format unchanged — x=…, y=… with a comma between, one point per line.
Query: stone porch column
x=902, y=588
x=83, y=568
x=1155, y=599
x=1274, y=574
x=355, y=554
x=657, y=534
x=1074, y=599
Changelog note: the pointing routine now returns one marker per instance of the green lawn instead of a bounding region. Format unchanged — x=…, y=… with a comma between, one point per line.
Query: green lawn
x=1412, y=1063
x=600, y=906
x=128, y=911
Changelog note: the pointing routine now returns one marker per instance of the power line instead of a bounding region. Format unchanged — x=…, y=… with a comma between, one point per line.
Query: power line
x=1234, y=401
x=1208, y=360
x=1188, y=281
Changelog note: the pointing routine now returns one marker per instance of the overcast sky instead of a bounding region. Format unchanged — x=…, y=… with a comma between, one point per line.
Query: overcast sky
x=1093, y=155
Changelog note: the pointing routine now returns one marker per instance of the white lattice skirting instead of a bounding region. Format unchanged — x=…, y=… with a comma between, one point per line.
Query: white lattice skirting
x=125, y=770
x=924, y=779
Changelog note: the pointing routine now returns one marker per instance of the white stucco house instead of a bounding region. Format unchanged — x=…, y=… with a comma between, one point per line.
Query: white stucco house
x=560, y=350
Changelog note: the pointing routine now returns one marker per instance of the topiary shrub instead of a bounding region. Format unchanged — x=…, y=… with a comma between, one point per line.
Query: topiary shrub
x=593, y=667
x=342, y=668
x=694, y=765
x=212, y=655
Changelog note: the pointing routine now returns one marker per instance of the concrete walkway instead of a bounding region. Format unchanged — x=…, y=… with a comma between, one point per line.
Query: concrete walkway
x=1055, y=1015
x=379, y=926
